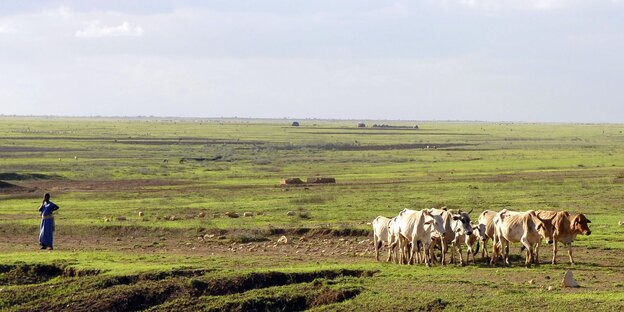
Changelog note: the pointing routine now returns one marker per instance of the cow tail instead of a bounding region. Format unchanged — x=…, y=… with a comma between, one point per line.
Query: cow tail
x=478, y=245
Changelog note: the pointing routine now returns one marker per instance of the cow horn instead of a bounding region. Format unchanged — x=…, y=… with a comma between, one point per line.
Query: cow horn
x=470, y=210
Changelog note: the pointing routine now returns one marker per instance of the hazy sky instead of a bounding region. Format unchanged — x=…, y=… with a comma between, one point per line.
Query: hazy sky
x=512, y=60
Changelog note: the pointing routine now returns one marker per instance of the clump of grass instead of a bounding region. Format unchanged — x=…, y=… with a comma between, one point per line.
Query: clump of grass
x=303, y=214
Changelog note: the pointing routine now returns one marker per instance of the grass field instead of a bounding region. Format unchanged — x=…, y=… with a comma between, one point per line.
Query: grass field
x=102, y=171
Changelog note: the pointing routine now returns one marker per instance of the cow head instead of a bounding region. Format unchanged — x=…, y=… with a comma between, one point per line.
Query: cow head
x=461, y=223
x=436, y=221
x=580, y=223
x=547, y=227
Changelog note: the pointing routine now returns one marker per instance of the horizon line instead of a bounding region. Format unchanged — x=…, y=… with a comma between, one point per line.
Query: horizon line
x=156, y=117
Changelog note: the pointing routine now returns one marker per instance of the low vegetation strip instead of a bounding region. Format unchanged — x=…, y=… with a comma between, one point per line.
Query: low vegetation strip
x=140, y=292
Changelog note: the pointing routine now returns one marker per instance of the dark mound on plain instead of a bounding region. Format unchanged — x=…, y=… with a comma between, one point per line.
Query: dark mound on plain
x=13, y=176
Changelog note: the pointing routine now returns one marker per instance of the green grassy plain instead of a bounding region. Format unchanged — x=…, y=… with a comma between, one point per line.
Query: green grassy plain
x=109, y=168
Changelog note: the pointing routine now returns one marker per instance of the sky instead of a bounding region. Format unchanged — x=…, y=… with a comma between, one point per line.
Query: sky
x=490, y=60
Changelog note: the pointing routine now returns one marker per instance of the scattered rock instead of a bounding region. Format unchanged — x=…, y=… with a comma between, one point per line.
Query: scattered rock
x=201, y=214
x=121, y=218
x=107, y=220
x=141, y=213
x=173, y=218
x=568, y=280
x=291, y=213
x=621, y=223
x=282, y=240
x=302, y=239
x=531, y=282
x=221, y=237
x=209, y=236
x=232, y=214
x=549, y=288
x=247, y=214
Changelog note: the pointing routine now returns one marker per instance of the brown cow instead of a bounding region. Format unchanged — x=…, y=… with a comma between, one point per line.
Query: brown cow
x=565, y=228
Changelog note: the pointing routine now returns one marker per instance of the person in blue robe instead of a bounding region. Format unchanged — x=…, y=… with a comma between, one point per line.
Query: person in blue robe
x=46, y=231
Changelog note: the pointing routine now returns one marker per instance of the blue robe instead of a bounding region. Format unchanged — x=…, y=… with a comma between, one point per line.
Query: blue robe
x=46, y=231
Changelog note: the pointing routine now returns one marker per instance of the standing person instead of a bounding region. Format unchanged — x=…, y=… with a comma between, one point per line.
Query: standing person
x=46, y=231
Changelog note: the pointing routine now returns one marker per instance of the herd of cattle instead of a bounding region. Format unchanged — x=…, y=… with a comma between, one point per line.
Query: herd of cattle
x=413, y=235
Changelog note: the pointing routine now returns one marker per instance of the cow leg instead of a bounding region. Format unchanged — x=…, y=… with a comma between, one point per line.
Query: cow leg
x=377, y=246
x=506, y=244
x=494, y=257
x=484, y=252
x=461, y=258
x=427, y=254
x=554, y=258
x=529, y=250
x=444, y=248
x=390, y=251
x=536, y=254
x=453, y=246
x=569, y=245
x=419, y=255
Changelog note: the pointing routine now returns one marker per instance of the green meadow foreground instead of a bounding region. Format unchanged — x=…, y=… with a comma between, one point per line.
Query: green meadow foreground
x=184, y=253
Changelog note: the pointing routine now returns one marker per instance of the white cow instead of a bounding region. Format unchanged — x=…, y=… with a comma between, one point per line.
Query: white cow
x=486, y=229
x=417, y=227
x=513, y=227
x=451, y=228
x=461, y=227
x=380, y=233
x=469, y=240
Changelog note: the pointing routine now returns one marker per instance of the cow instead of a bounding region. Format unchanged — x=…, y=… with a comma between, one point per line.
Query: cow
x=380, y=233
x=470, y=240
x=566, y=227
x=417, y=227
x=512, y=227
x=461, y=227
x=398, y=245
x=463, y=237
x=486, y=229
x=448, y=238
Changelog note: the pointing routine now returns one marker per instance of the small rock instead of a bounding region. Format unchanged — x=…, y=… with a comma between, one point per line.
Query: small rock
x=621, y=223
x=531, y=282
x=208, y=236
x=141, y=213
x=221, y=237
x=547, y=277
x=107, y=220
x=549, y=288
x=568, y=280
x=173, y=218
x=291, y=213
x=282, y=240
x=247, y=214
x=302, y=239
x=201, y=214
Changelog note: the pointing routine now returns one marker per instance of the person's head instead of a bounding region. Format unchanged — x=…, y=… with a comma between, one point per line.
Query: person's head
x=46, y=196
